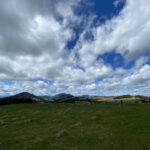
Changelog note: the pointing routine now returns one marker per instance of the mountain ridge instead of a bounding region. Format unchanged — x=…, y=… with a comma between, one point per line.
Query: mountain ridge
x=26, y=97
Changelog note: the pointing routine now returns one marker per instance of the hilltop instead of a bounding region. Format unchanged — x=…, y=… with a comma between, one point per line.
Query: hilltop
x=26, y=97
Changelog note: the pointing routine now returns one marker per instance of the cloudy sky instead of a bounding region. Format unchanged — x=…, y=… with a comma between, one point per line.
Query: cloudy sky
x=93, y=47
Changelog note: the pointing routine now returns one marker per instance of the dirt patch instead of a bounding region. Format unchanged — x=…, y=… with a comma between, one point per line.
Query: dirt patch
x=93, y=117
x=76, y=125
x=37, y=140
x=14, y=119
x=61, y=133
x=35, y=113
x=2, y=122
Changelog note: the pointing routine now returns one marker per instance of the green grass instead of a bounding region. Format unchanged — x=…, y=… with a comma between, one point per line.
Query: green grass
x=104, y=126
x=124, y=98
x=102, y=99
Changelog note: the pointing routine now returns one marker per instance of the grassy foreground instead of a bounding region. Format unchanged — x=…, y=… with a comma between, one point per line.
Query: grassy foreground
x=105, y=126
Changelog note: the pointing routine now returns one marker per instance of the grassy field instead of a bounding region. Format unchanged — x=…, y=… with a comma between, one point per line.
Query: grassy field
x=113, y=99
x=104, y=126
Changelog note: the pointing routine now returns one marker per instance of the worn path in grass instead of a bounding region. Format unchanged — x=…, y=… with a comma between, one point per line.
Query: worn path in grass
x=102, y=126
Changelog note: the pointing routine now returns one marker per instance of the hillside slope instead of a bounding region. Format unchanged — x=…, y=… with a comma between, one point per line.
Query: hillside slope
x=24, y=97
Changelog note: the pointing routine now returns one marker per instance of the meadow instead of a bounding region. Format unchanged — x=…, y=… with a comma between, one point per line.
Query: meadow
x=101, y=126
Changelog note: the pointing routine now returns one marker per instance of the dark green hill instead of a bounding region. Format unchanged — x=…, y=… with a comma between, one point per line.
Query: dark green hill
x=65, y=98
x=46, y=99
x=123, y=96
x=24, y=97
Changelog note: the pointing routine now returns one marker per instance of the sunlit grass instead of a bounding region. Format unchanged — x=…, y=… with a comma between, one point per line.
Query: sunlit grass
x=107, y=126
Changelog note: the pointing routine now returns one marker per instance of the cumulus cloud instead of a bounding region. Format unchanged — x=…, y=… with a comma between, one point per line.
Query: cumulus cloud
x=135, y=83
x=117, y=2
x=139, y=78
x=127, y=34
x=33, y=46
x=37, y=87
x=32, y=38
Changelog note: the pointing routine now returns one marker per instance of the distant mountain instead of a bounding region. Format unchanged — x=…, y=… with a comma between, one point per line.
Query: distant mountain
x=64, y=98
x=46, y=99
x=123, y=96
x=24, y=97
x=85, y=96
x=62, y=95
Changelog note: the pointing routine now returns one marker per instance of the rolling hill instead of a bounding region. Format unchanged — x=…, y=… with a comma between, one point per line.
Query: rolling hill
x=24, y=97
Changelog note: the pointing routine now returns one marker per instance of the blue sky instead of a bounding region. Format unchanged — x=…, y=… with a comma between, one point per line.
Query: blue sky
x=82, y=47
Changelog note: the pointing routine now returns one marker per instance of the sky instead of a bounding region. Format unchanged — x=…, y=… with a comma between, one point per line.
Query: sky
x=81, y=47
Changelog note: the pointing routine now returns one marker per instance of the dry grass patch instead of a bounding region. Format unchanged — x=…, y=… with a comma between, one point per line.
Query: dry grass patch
x=76, y=125
x=62, y=133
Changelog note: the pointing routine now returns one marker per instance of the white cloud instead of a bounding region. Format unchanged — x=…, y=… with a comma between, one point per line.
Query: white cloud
x=117, y=2
x=141, y=61
x=33, y=39
x=140, y=78
x=128, y=33
x=137, y=82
